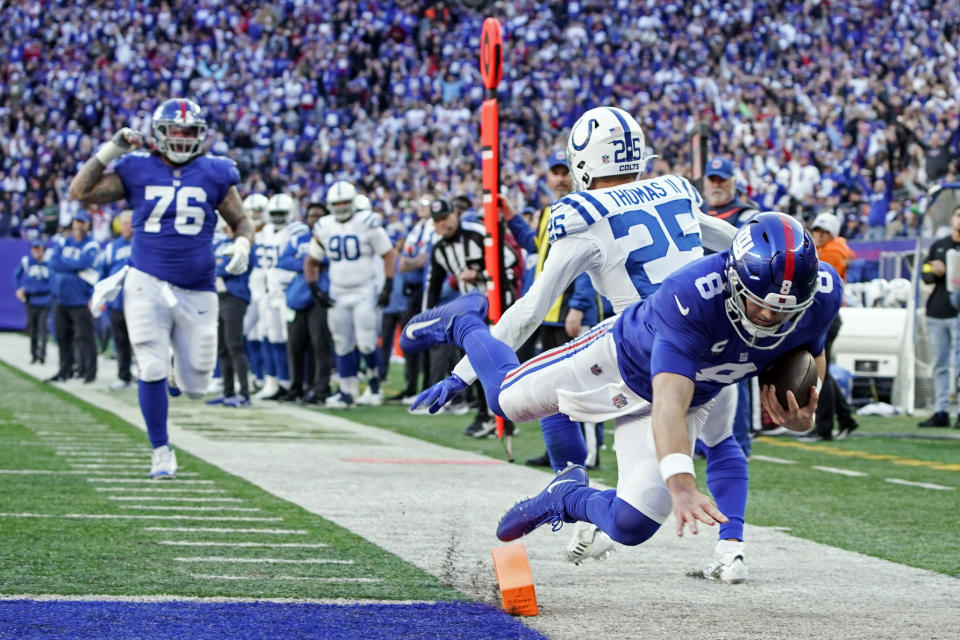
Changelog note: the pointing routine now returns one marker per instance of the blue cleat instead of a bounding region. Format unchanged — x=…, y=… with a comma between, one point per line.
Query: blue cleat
x=432, y=327
x=547, y=506
x=172, y=389
x=237, y=401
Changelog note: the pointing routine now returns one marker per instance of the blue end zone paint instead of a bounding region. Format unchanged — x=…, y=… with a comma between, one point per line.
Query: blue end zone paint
x=31, y=620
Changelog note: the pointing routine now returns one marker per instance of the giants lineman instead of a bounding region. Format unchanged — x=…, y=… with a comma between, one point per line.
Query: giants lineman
x=169, y=297
x=351, y=243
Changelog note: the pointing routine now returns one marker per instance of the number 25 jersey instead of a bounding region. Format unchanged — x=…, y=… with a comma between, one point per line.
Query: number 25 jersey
x=174, y=214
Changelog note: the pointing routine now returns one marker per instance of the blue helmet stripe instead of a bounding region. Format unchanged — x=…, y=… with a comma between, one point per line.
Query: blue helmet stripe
x=627, y=138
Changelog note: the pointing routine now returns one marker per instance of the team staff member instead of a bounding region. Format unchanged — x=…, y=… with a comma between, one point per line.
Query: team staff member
x=31, y=279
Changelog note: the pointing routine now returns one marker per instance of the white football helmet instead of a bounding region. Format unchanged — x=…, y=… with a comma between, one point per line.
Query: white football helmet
x=340, y=200
x=362, y=204
x=281, y=209
x=605, y=141
x=254, y=206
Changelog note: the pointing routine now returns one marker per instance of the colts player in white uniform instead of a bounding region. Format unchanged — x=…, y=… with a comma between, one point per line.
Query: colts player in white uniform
x=352, y=244
x=628, y=235
x=169, y=295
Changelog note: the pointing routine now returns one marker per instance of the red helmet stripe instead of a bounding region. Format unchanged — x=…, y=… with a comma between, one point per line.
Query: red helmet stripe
x=183, y=110
x=791, y=255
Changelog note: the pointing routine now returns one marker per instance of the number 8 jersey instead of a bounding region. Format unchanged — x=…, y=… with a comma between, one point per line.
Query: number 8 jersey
x=174, y=214
x=351, y=247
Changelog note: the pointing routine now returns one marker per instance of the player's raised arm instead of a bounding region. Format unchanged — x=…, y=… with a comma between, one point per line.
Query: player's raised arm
x=672, y=394
x=90, y=185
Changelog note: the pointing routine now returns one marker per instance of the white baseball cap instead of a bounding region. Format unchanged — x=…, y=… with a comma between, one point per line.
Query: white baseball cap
x=828, y=222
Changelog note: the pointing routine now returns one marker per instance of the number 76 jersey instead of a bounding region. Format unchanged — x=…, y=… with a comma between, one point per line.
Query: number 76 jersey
x=639, y=232
x=174, y=214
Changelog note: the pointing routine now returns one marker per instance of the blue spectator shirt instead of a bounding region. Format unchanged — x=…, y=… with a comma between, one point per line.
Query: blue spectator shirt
x=112, y=259
x=34, y=278
x=73, y=263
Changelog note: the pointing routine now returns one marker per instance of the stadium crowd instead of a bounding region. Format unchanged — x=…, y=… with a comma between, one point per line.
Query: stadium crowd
x=851, y=108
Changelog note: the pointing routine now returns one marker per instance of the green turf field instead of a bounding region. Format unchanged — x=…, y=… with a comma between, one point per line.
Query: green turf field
x=87, y=520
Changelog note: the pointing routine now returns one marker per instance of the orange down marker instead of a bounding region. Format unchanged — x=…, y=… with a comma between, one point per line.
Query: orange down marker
x=515, y=580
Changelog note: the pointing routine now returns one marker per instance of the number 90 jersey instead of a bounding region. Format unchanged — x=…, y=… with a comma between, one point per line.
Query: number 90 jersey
x=174, y=214
x=352, y=247
x=640, y=231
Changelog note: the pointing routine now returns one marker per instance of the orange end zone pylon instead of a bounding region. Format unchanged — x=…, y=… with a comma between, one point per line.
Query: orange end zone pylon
x=515, y=580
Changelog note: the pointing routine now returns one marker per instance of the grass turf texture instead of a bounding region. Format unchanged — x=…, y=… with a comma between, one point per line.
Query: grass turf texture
x=117, y=557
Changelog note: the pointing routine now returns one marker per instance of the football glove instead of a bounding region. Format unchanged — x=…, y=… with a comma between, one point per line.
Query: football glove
x=240, y=257
x=384, y=298
x=322, y=297
x=440, y=393
x=123, y=141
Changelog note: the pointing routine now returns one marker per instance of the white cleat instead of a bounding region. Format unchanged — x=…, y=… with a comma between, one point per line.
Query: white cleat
x=270, y=387
x=119, y=385
x=215, y=386
x=728, y=565
x=588, y=542
x=339, y=400
x=370, y=399
x=163, y=463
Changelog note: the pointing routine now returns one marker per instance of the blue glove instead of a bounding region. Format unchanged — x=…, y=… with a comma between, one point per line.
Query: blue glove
x=440, y=393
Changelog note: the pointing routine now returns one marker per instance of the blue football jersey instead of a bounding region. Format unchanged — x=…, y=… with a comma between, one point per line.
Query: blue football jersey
x=174, y=213
x=683, y=328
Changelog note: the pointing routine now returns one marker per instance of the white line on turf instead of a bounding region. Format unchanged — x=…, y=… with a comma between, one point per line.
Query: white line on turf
x=147, y=480
x=285, y=532
x=297, y=578
x=175, y=498
x=160, y=490
x=263, y=560
x=772, y=459
x=268, y=545
x=47, y=597
x=842, y=472
x=115, y=516
x=167, y=507
x=922, y=485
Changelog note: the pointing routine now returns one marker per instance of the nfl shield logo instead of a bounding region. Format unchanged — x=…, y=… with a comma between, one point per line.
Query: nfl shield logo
x=596, y=370
x=605, y=159
x=619, y=401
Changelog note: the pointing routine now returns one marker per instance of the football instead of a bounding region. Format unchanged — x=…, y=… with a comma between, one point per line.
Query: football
x=794, y=371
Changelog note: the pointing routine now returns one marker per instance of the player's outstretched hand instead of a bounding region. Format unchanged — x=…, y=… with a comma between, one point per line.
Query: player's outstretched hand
x=440, y=393
x=689, y=505
x=123, y=141
x=793, y=416
x=240, y=257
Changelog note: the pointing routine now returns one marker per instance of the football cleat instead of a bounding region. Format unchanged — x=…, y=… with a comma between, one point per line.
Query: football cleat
x=487, y=427
x=217, y=400
x=588, y=542
x=545, y=507
x=119, y=385
x=432, y=327
x=236, y=401
x=163, y=463
x=370, y=399
x=728, y=565
x=339, y=400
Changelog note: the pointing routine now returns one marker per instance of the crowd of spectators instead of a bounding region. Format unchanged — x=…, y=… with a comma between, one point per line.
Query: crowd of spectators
x=852, y=106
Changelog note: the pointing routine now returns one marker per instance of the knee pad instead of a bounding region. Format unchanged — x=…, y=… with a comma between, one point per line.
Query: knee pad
x=630, y=526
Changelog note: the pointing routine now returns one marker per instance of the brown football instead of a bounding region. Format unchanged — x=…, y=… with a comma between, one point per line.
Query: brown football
x=794, y=371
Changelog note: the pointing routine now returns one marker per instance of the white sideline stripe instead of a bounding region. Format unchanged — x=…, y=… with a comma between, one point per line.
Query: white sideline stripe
x=842, y=472
x=47, y=597
x=71, y=472
x=177, y=498
x=268, y=545
x=160, y=490
x=298, y=578
x=98, y=452
x=120, y=466
x=772, y=459
x=216, y=530
x=168, y=507
x=262, y=560
x=922, y=485
x=148, y=480
x=117, y=516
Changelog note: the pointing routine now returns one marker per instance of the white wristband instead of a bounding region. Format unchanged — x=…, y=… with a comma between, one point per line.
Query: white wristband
x=108, y=152
x=674, y=463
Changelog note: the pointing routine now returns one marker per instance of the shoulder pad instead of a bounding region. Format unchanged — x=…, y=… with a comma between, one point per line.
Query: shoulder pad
x=574, y=213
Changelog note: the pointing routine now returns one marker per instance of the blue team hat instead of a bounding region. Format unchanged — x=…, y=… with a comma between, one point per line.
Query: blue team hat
x=82, y=215
x=720, y=167
x=557, y=159
x=37, y=242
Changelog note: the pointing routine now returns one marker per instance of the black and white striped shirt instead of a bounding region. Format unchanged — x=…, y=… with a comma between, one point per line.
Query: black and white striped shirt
x=463, y=250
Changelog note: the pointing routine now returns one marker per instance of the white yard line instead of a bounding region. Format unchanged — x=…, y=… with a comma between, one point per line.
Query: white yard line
x=757, y=456
x=114, y=516
x=265, y=545
x=175, y=498
x=148, y=480
x=283, y=532
x=296, y=578
x=922, y=485
x=842, y=472
x=167, y=507
x=160, y=489
x=262, y=560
